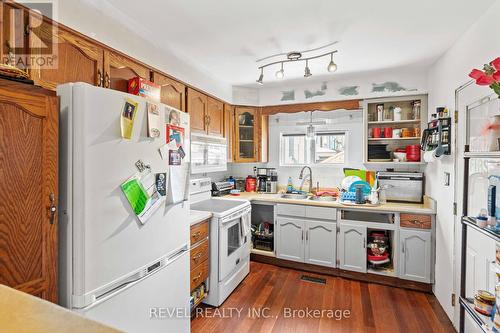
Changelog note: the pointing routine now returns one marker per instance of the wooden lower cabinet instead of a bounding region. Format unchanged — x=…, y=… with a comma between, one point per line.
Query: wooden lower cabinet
x=199, y=254
x=28, y=189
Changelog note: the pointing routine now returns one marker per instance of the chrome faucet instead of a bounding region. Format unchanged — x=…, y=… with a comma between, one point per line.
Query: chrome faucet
x=301, y=176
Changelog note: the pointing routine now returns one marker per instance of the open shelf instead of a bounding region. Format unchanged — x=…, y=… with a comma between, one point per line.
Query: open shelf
x=263, y=252
x=490, y=232
x=393, y=139
x=485, y=323
x=482, y=154
x=385, y=272
x=394, y=122
x=395, y=163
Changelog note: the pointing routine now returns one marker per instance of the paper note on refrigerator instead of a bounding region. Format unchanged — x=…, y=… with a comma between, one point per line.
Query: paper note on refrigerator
x=135, y=194
x=154, y=120
x=127, y=118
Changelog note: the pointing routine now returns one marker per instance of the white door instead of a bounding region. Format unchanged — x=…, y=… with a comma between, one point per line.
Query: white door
x=320, y=243
x=290, y=239
x=352, y=247
x=415, y=255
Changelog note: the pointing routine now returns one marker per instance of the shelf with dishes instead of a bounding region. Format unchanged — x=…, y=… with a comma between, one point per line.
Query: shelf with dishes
x=379, y=253
x=393, y=129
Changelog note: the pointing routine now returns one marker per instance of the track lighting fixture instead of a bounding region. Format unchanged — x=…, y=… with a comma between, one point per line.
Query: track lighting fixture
x=281, y=73
x=307, y=71
x=261, y=77
x=295, y=57
x=332, y=66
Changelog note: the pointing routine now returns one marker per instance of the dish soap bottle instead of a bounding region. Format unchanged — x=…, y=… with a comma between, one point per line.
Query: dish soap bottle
x=289, y=186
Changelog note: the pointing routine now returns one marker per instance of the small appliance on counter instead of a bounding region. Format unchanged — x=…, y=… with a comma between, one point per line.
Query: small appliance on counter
x=240, y=184
x=402, y=186
x=267, y=180
x=220, y=189
x=272, y=182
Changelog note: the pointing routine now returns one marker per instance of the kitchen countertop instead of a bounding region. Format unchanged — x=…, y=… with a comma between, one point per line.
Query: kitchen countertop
x=197, y=216
x=428, y=207
x=20, y=312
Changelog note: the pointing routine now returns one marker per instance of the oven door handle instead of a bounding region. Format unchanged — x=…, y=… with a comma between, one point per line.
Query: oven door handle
x=231, y=218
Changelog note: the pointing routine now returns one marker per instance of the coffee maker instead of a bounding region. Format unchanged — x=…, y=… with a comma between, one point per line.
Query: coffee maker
x=261, y=179
x=267, y=180
x=272, y=182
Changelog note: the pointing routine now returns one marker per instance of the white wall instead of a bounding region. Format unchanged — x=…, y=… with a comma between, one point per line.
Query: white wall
x=412, y=78
x=92, y=18
x=328, y=176
x=478, y=45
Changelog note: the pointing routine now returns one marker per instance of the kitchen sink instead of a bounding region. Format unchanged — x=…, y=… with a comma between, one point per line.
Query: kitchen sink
x=323, y=198
x=293, y=196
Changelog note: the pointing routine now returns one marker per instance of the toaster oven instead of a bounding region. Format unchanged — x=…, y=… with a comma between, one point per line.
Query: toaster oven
x=402, y=186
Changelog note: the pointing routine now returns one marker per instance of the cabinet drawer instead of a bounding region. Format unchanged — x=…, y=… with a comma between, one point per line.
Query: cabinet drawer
x=323, y=213
x=199, y=232
x=291, y=210
x=199, y=274
x=416, y=221
x=199, y=253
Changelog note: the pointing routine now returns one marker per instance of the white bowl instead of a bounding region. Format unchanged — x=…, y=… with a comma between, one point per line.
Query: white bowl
x=400, y=156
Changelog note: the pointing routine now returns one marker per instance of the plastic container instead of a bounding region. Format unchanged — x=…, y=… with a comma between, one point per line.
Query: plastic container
x=250, y=184
x=289, y=185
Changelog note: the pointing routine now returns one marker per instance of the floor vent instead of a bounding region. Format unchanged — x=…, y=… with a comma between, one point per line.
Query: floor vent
x=313, y=279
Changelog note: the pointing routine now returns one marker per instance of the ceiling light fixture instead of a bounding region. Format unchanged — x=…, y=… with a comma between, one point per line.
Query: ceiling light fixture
x=332, y=66
x=261, y=77
x=281, y=73
x=307, y=71
x=296, y=57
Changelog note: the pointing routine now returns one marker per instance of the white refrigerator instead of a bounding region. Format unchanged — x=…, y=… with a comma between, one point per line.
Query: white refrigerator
x=129, y=274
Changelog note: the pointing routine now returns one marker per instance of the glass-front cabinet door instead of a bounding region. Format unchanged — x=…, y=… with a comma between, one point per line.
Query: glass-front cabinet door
x=246, y=123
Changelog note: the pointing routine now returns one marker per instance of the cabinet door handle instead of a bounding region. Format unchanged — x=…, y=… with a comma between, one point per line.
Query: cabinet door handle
x=196, y=234
x=196, y=277
x=197, y=256
x=302, y=235
x=403, y=247
x=364, y=243
x=307, y=235
x=99, y=78
x=107, y=81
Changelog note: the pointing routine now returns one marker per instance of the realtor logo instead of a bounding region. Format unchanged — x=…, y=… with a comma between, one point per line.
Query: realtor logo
x=30, y=38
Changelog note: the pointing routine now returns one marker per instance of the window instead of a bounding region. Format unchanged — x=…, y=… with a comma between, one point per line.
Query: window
x=293, y=149
x=326, y=148
x=329, y=148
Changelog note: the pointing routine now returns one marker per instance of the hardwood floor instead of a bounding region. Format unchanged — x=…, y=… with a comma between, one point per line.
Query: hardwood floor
x=265, y=300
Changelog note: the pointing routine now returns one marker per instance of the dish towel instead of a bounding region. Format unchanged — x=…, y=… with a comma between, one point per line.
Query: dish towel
x=245, y=224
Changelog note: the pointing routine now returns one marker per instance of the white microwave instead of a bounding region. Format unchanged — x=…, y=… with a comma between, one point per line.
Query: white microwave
x=208, y=153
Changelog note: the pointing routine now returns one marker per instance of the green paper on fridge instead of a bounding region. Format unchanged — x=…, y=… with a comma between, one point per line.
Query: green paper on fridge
x=135, y=194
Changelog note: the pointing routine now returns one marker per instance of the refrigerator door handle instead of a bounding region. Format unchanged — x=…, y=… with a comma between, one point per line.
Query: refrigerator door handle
x=90, y=299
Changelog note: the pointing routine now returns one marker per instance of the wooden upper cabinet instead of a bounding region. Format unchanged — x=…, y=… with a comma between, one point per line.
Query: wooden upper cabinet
x=197, y=109
x=13, y=34
x=118, y=69
x=229, y=130
x=173, y=93
x=246, y=120
x=75, y=59
x=215, y=117
x=28, y=189
x=263, y=137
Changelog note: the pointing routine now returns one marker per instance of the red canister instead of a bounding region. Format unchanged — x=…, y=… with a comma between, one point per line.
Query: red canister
x=250, y=184
x=413, y=153
x=377, y=132
x=388, y=132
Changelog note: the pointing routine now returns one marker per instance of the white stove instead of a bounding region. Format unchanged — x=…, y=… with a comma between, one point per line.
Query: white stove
x=229, y=239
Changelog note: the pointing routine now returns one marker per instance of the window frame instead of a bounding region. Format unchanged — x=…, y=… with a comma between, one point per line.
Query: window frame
x=311, y=151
